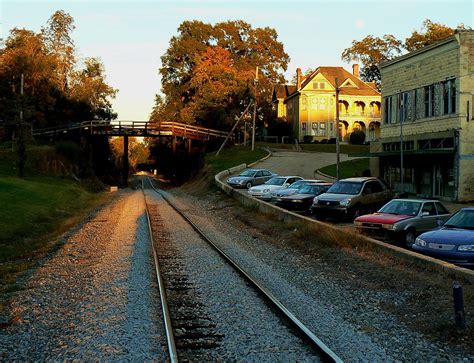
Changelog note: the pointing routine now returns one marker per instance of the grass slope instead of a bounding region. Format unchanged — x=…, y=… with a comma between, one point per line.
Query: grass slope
x=33, y=210
x=348, y=168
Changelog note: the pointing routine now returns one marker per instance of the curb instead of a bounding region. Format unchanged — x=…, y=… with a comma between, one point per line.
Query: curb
x=330, y=177
x=452, y=271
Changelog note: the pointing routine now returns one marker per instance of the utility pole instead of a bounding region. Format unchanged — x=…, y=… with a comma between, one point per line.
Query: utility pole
x=338, y=134
x=21, y=140
x=255, y=81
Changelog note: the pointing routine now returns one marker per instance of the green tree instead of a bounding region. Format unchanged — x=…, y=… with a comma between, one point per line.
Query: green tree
x=371, y=50
x=189, y=72
x=58, y=40
x=89, y=86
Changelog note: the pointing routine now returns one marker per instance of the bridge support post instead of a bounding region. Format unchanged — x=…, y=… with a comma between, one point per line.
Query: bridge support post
x=125, y=161
x=173, y=144
x=189, y=146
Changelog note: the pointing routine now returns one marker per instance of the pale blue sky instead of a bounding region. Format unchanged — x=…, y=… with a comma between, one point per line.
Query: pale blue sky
x=130, y=36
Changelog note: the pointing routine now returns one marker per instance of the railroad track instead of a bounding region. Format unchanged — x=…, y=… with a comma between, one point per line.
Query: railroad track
x=206, y=338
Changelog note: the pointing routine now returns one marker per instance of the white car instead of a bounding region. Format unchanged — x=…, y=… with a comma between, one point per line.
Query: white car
x=264, y=191
x=293, y=188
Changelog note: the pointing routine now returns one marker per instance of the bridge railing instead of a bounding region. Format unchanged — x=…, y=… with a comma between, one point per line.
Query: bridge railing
x=135, y=128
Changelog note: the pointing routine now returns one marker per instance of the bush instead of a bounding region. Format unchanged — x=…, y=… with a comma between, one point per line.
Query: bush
x=70, y=150
x=332, y=140
x=307, y=139
x=324, y=141
x=357, y=137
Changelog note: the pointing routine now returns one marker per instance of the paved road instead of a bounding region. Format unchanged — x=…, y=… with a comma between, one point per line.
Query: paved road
x=299, y=163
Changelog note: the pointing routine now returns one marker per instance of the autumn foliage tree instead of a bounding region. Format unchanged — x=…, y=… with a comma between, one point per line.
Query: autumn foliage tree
x=208, y=71
x=371, y=50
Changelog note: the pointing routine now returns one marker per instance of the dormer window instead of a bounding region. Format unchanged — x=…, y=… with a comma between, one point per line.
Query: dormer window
x=348, y=83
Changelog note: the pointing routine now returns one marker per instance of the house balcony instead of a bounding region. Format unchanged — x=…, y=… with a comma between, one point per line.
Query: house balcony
x=361, y=114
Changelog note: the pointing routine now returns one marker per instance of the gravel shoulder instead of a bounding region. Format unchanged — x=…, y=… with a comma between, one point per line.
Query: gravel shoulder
x=364, y=307
x=95, y=298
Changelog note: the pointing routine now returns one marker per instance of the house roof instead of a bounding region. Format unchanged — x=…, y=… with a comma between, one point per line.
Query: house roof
x=282, y=91
x=331, y=73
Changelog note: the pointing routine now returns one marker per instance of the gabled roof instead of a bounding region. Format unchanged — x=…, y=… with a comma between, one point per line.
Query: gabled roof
x=331, y=73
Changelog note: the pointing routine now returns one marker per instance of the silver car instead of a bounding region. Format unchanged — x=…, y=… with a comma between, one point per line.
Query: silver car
x=403, y=219
x=250, y=177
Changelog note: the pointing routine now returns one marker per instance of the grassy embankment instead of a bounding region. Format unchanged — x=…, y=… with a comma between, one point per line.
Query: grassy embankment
x=322, y=148
x=233, y=156
x=348, y=168
x=34, y=210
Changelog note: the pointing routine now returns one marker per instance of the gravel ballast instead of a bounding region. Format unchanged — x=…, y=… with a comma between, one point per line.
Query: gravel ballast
x=349, y=314
x=95, y=298
x=250, y=330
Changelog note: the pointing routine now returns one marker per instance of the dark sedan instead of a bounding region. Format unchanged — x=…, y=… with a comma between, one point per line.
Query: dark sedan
x=454, y=242
x=303, y=199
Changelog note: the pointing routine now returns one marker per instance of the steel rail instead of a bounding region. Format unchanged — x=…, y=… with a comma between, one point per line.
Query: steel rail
x=172, y=352
x=321, y=347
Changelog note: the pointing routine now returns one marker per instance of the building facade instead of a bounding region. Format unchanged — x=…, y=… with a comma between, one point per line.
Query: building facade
x=310, y=104
x=428, y=102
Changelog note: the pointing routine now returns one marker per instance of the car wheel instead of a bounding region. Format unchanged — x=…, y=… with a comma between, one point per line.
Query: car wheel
x=410, y=238
x=356, y=212
x=248, y=185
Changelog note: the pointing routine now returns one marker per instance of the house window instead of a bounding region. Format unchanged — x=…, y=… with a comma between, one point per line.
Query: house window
x=322, y=129
x=429, y=100
x=449, y=96
x=403, y=106
x=315, y=85
x=314, y=126
x=387, y=117
x=303, y=126
x=331, y=129
x=322, y=85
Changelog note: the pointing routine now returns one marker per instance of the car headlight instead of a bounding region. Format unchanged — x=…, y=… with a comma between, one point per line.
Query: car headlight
x=345, y=202
x=315, y=200
x=265, y=190
x=296, y=200
x=388, y=226
x=358, y=223
x=420, y=242
x=466, y=248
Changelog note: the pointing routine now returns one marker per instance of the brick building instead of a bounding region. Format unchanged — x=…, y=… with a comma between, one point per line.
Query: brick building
x=427, y=95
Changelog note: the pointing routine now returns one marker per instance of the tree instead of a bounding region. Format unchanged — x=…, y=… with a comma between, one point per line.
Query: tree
x=371, y=50
x=430, y=33
x=88, y=85
x=203, y=58
x=57, y=38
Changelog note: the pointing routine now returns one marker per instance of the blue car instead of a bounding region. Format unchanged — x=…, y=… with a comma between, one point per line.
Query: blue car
x=453, y=242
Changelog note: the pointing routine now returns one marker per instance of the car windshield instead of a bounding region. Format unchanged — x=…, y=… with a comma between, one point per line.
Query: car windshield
x=298, y=184
x=409, y=208
x=344, y=187
x=310, y=189
x=462, y=219
x=247, y=173
x=276, y=181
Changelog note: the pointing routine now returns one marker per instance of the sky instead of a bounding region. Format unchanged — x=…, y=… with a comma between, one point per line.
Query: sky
x=131, y=36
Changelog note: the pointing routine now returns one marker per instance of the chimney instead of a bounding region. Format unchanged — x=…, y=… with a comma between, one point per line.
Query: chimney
x=355, y=70
x=298, y=78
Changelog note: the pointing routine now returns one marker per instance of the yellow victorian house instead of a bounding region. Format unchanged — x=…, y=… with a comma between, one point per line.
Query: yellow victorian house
x=310, y=104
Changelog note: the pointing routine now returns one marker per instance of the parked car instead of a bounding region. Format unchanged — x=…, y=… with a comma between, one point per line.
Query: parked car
x=249, y=178
x=263, y=191
x=453, y=242
x=292, y=189
x=303, y=199
x=352, y=197
x=403, y=219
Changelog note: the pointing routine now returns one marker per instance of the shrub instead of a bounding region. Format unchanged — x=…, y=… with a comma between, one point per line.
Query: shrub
x=332, y=140
x=324, y=141
x=307, y=139
x=357, y=137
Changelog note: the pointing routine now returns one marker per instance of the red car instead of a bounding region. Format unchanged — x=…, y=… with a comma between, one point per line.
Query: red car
x=403, y=219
